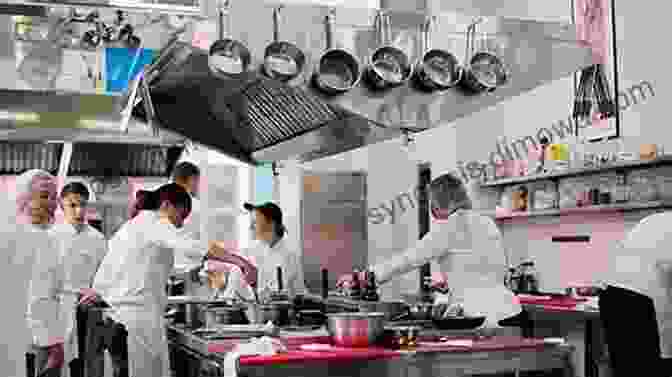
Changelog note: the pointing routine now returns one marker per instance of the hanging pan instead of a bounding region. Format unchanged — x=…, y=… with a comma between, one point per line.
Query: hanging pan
x=436, y=69
x=337, y=70
x=283, y=61
x=484, y=71
x=388, y=65
x=228, y=56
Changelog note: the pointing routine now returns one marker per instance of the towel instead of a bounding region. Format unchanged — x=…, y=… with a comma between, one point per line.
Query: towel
x=264, y=346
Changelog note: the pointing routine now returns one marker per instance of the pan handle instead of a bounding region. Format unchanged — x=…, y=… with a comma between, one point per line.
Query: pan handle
x=276, y=23
x=378, y=25
x=224, y=11
x=330, y=20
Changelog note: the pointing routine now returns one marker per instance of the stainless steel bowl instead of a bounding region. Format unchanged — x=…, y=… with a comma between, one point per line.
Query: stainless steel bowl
x=356, y=330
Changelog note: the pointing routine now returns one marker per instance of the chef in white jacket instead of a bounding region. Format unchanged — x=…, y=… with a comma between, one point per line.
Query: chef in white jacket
x=469, y=250
x=643, y=263
x=268, y=253
x=82, y=249
x=32, y=276
x=132, y=279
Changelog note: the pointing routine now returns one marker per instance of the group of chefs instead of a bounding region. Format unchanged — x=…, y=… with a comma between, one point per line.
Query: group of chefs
x=58, y=274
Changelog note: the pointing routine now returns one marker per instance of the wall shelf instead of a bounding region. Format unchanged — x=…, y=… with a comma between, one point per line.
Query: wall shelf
x=664, y=160
x=608, y=208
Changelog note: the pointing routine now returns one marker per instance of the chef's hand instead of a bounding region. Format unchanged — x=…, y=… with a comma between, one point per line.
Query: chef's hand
x=56, y=356
x=346, y=281
x=88, y=296
x=438, y=282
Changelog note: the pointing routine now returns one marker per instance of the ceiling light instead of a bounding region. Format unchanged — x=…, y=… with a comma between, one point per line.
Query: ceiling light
x=20, y=116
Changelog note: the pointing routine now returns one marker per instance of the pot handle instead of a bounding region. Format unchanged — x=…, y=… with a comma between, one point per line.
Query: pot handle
x=224, y=11
x=276, y=23
x=330, y=19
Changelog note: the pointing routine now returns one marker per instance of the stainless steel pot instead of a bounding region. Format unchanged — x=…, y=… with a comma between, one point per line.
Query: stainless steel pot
x=223, y=315
x=283, y=61
x=337, y=70
x=391, y=309
x=356, y=329
x=436, y=69
x=228, y=56
x=388, y=65
x=276, y=312
x=484, y=71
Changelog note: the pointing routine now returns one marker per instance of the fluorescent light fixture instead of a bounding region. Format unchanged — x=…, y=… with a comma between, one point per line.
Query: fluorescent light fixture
x=20, y=116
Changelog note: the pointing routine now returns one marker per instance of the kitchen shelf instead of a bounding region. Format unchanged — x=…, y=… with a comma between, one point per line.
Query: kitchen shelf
x=624, y=207
x=665, y=160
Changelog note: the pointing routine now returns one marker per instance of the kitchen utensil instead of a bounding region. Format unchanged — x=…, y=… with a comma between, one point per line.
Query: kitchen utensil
x=436, y=69
x=214, y=316
x=458, y=323
x=276, y=312
x=391, y=309
x=483, y=71
x=278, y=274
x=388, y=65
x=337, y=70
x=356, y=329
x=283, y=61
x=228, y=56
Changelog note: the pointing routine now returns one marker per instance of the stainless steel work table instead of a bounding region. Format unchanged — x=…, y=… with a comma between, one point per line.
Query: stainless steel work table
x=421, y=362
x=584, y=320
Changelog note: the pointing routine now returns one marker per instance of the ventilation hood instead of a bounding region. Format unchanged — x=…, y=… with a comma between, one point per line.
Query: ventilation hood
x=256, y=119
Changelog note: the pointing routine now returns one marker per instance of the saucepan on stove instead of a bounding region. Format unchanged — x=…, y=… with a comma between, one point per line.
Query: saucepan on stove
x=389, y=66
x=356, y=329
x=337, y=70
x=283, y=61
x=484, y=71
x=437, y=69
x=228, y=56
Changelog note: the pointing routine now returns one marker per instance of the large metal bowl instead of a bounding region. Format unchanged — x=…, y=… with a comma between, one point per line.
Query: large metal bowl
x=356, y=330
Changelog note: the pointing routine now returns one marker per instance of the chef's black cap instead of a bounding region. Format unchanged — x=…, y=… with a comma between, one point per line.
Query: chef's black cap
x=270, y=210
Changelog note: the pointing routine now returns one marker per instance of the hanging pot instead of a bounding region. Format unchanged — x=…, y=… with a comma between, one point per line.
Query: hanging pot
x=436, y=69
x=388, y=66
x=228, y=56
x=485, y=71
x=283, y=61
x=337, y=70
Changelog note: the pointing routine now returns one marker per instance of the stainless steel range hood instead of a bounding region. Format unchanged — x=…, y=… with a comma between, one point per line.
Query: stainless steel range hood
x=255, y=119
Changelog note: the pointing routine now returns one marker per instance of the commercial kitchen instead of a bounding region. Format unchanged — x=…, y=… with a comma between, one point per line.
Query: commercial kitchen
x=315, y=116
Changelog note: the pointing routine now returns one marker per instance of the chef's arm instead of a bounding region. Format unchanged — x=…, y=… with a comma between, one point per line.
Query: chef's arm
x=422, y=252
x=46, y=287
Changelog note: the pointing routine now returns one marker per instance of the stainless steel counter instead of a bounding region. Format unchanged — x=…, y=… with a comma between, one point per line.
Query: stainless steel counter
x=404, y=364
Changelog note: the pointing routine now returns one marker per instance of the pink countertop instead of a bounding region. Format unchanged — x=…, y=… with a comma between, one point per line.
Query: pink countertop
x=426, y=345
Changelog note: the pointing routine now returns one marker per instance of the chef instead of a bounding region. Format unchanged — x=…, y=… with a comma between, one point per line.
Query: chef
x=133, y=275
x=643, y=264
x=82, y=248
x=268, y=253
x=33, y=277
x=468, y=248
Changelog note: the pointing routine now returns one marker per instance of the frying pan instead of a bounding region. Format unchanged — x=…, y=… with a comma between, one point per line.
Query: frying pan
x=484, y=71
x=228, y=56
x=283, y=61
x=388, y=65
x=337, y=70
x=436, y=69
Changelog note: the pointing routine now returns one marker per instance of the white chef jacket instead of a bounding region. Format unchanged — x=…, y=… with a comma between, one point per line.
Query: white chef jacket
x=643, y=263
x=469, y=250
x=267, y=259
x=81, y=253
x=132, y=280
x=191, y=229
x=30, y=273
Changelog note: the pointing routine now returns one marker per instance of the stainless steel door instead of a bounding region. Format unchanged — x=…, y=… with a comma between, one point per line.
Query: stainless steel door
x=334, y=227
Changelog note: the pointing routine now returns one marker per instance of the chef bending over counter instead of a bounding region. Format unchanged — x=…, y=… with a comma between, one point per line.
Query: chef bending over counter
x=132, y=277
x=469, y=250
